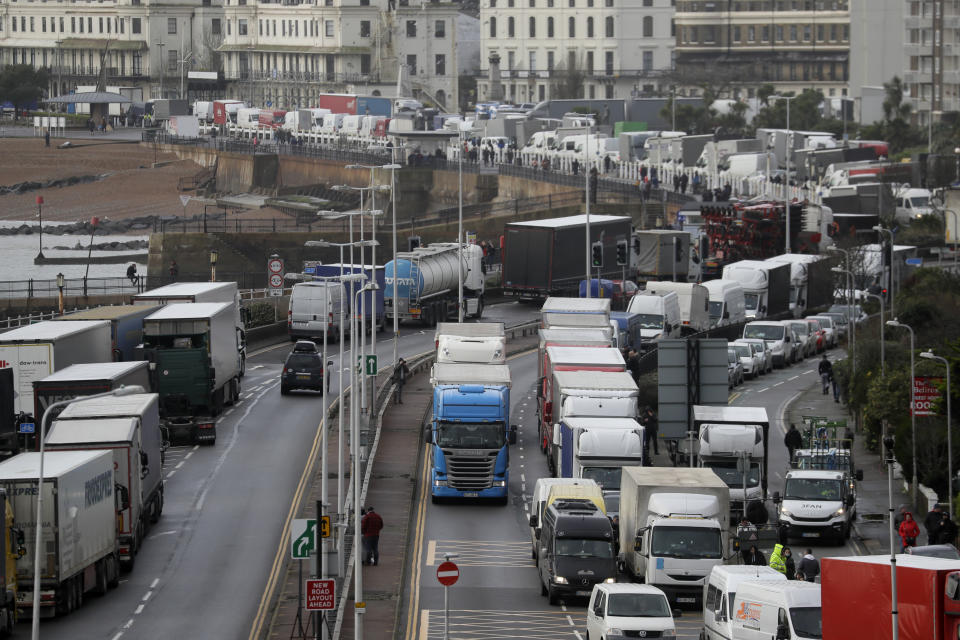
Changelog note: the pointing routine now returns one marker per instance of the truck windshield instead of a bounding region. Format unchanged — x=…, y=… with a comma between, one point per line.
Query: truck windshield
x=583, y=548
x=812, y=489
x=727, y=471
x=650, y=321
x=469, y=435
x=807, y=622
x=638, y=605
x=750, y=300
x=716, y=309
x=686, y=542
x=764, y=331
x=607, y=477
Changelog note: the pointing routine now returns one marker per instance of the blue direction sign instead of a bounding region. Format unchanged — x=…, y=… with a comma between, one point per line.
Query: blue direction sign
x=28, y=427
x=914, y=262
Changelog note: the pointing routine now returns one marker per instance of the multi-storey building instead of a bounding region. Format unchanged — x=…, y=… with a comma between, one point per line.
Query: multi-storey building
x=279, y=52
x=741, y=44
x=574, y=48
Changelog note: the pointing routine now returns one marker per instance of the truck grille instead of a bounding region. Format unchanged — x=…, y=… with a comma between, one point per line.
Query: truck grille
x=823, y=519
x=470, y=472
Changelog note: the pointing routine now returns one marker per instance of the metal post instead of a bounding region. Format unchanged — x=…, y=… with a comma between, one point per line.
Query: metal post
x=357, y=555
x=340, y=544
x=373, y=295
x=674, y=277
x=324, y=471
x=893, y=555
x=913, y=417
x=460, y=273
x=396, y=320
x=446, y=613
x=786, y=199
x=586, y=189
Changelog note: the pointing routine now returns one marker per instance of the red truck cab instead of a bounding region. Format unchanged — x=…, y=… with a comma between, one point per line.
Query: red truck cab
x=951, y=606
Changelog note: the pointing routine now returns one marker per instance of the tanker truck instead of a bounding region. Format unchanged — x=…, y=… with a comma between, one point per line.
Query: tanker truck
x=426, y=283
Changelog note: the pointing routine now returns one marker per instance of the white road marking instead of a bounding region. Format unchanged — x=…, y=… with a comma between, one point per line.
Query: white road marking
x=179, y=464
x=523, y=478
x=570, y=620
x=117, y=636
x=138, y=609
x=195, y=447
x=128, y=624
x=577, y=633
x=187, y=457
x=170, y=475
x=157, y=535
x=779, y=383
x=256, y=366
x=147, y=596
x=156, y=581
x=564, y=607
x=762, y=390
x=793, y=378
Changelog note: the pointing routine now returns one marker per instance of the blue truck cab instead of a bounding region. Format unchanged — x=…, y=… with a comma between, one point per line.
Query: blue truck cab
x=470, y=432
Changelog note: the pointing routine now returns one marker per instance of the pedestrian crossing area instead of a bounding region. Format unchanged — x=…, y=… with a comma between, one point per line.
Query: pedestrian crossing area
x=481, y=553
x=501, y=625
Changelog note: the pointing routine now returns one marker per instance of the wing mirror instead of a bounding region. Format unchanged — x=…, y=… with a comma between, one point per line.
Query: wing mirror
x=858, y=474
x=513, y=434
x=776, y=497
x=849, y=500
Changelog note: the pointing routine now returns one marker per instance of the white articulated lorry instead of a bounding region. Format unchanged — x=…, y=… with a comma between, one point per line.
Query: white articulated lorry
x=129, y=426
x=427, y=283
x=597, y=448
x=674, y=527
x=733, y=444
x=79, y=535
x=766, y=287
x=476, y=342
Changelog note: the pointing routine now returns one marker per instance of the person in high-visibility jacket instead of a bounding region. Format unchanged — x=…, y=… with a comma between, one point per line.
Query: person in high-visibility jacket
x=776, y=560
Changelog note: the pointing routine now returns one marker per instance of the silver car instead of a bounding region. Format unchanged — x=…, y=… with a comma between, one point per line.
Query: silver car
x=807, y=339
x=762, y=351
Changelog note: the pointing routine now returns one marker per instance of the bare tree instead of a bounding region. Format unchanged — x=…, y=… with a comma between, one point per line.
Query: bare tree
x=570, y=80
x=208, y=58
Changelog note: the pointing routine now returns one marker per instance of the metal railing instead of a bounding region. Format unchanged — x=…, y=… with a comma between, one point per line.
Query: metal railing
x=247, y=282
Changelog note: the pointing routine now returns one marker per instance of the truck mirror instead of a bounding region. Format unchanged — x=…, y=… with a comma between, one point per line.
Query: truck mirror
x=763, y=308
x=858, y=474
x=726, y=315
x=429, y=436
x=849, y=500
x=783, y=632
x=329, y=363
x=533, y=520
x=144, y=459
x=540, y=388
x=513, y=434
x=776, y=497
x=638, y=542
x=786, y=338
x=801, y=302
x=556, y=435
x=123, y=497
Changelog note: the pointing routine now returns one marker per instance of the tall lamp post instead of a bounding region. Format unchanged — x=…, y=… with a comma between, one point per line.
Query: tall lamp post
x=928, y=354
x=789, y=146
x=852, y=323
x=881, y=231
x=888, y=447
x=913, y=416
x=38, y=540
x=956, y=224
x=214, y=255
x=883, y=363
x=60, y=284
x=40, y=215
x=586, y=190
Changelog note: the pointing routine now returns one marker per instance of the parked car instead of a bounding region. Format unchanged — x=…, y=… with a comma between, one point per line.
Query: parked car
x=853, y=311
x=626, y=610
x=734, y=368
x=818, y=334
x=761, y=351
x=840, y=323
x=304, y=369
x=829, y=329
x=749, y=362
x=808, y=341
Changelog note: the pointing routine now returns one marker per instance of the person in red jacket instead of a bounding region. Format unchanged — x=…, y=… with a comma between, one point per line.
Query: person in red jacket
x=370, y=526
x=909, y=531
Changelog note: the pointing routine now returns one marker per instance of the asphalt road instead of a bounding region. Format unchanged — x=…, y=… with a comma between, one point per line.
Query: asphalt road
x=498, y=594
x=202, y=570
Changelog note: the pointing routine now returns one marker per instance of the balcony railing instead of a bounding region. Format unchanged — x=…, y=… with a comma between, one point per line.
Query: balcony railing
x=305, y=76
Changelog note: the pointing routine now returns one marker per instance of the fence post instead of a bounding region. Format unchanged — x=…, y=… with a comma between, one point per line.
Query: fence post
x=84, y=286
x=29, y=288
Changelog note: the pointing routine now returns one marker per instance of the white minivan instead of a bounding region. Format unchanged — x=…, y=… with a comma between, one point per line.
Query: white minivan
x=720, y=591
x=777, y=336
x=626, y=610
x=660, y=315
x=726, y=301
x=781, y=609
x=315, y=308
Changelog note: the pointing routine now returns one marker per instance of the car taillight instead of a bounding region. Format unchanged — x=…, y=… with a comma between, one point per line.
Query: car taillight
x=285, y=371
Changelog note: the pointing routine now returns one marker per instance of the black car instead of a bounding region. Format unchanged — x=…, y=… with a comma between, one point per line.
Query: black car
x=304, y=370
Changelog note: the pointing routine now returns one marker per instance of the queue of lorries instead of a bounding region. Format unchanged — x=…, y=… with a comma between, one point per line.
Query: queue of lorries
x=174, y=357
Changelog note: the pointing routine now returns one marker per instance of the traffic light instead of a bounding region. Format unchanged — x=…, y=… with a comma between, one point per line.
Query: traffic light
x=622, y=248
x=596, y=254
x=636, y=245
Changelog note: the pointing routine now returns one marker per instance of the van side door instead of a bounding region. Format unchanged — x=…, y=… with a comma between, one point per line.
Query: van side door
x=595, y=614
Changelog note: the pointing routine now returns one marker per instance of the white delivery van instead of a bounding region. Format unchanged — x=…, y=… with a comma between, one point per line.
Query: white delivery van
x=720, y=592
x=776, y=335
x=913, y=204
x=694, y=301
x=315, y=308
x=784, y=609
x=726, y=302
x=660, y=315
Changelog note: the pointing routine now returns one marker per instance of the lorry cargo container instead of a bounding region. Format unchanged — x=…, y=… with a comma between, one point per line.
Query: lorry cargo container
x=12, y=539
x=674, y=527
x=126, y=325
x=163, y=109
x=766, y=287
x=660, y=255
x=856, y=597
x=427, y=282
x=37, y=350
x=80, y=544
x=373, y=301
x=694, y=301
x=557, y=305
x=374, y=106
x=338, y=103
x=553, y=320
x=196, y=365
x=271, y=119
x=203, y=110
x=129, y=427
x=225, y=111
x=184, y=126
x=627, y=329
x=546, y=257
x=86, y=380
x=476, y=342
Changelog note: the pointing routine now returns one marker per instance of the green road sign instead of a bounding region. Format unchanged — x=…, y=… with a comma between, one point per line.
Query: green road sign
x=368, y=364
x=303, y=538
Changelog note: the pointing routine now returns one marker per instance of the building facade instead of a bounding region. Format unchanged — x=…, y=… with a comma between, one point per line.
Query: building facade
x=552, y=49
x=742, y=44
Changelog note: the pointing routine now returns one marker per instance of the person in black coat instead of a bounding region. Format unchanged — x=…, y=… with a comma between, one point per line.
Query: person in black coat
x=754, y=557
x=931, y=523
x=793, y=440
x=947, y=533
x=788, y=562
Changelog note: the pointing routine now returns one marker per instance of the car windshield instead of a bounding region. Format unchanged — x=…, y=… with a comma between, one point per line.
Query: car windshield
x=947, y=551
x=827, y=323
x=801, y=328
x=750, y=300
x=921, y=201
x=764, y=331
x=650, y=321
x=732, y=357
x=686, y=542
x=716, y=309
x=727, y=471
x=824, y=461
x=743, y=351
x=303, y=362
x=468, y=435
x=638, y=605
x=807, y=622
x=583, y=548
x=607, y=477
x=812, y=489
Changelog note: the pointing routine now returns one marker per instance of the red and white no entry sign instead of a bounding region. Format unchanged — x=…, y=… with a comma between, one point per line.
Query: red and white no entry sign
x=448, y=574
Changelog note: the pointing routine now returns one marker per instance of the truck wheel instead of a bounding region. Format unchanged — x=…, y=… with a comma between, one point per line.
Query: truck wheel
x=552, y=596
x=101, y=570
x=479, y=313
x=78, y=590
x=113, y=571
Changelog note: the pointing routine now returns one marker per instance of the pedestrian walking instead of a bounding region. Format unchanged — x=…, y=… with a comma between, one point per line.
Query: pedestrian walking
x=676, y=182
x=909, y=532
x=897, y=520
x=174, y=270
x=948, y=530
x=46, y=137
x=809, y=567
x=825, y=369
x=370, y=526
x=650, y=428
x=754, y=557
x=132, y=274
x=606, y=164
x=776, y=559
x=400, y=374
x=684, y=179
x=633, y=364
x=791, y=566
x=931, y=523
x=575, y=166
x=793, y=441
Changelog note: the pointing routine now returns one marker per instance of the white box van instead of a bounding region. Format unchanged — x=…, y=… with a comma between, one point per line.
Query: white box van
x=538, y=502
x=694, y=300
x=660, y=315
x=777, y=336
x=720, y=592
x=315, y=308
x=787, y=610
x=726, y=302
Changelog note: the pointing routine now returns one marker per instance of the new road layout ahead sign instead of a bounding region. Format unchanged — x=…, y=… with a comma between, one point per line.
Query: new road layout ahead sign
x=321, y=595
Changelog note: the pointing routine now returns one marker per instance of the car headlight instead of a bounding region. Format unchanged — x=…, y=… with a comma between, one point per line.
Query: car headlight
x=614, y=631
x=839, y=512
x=785, y=513
x=610, y=580
x=668, y=633
x=559, y=580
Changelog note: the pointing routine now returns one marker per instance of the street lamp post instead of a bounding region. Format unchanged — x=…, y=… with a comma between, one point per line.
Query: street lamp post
x=586, y=190
x=47, y=415
x=851, y=322
x=956, y=224
x=789, y=147
x=459, y=229
x=913, y=416
x=214, y=255
x=888, y=446
x=40, y=215
x=60, y=283
x=883, y=365
x=892, y=280
x=928, y=354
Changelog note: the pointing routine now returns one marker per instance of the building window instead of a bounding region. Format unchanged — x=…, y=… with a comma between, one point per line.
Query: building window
x=793, y=33
x=241, y=27
x=647, y=60
x=806, y=33
x=260, y=27
x=43, y=24
x=549, y=27
x=283, y=27
x=751, y=34
x=833, y=33
x=327, y=28
x=172, y=60
x=572, y=29
x=364, y=63
x=510, y=27
x=493, y=27
x=590, y=27
x=31, y=25
x=533, y=60
x=412, y=64
x=846, y=32
x=493, y=4
x=13, y=22
x=550, y=60
x=779, y=33
x=137, y=64
x=510, y=4
x=608, y=63
x=573, y=3
x=608, y=3
x=736, y=35
x=171, y=25
x=609, y=26
x=648, y=3
x=411, y=28
x=709, y=36
x=647, y=26
x=365, y=3
x=765, y=34
x=673, y=28
x=533, y=27
x=533, y=4
x=440, y=29
x=589, y=61
x=511, y=59
x=228, y=27
x=364, y=28
x=441, y=64
x=821, y=32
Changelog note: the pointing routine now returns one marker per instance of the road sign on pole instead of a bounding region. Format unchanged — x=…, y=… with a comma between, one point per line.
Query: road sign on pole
x=275, y=275
x=448, y=573
x=303, y=538
x=324, y=526
x=321, y=595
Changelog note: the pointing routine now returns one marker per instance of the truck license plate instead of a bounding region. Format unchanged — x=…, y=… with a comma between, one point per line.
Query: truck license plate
x=583, y=594
x=471, y=494
x=303, y=376
x=686, y=600
x=811, y=534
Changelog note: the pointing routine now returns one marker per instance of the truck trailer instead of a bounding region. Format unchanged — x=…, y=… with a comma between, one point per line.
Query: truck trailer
x=426, y=281
x=766, y=287
x=195, y=359
x=660, y=254
x=129, y=427
x=126, y=325
x=547, y=257
x=476, y=342
x=597, y=449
